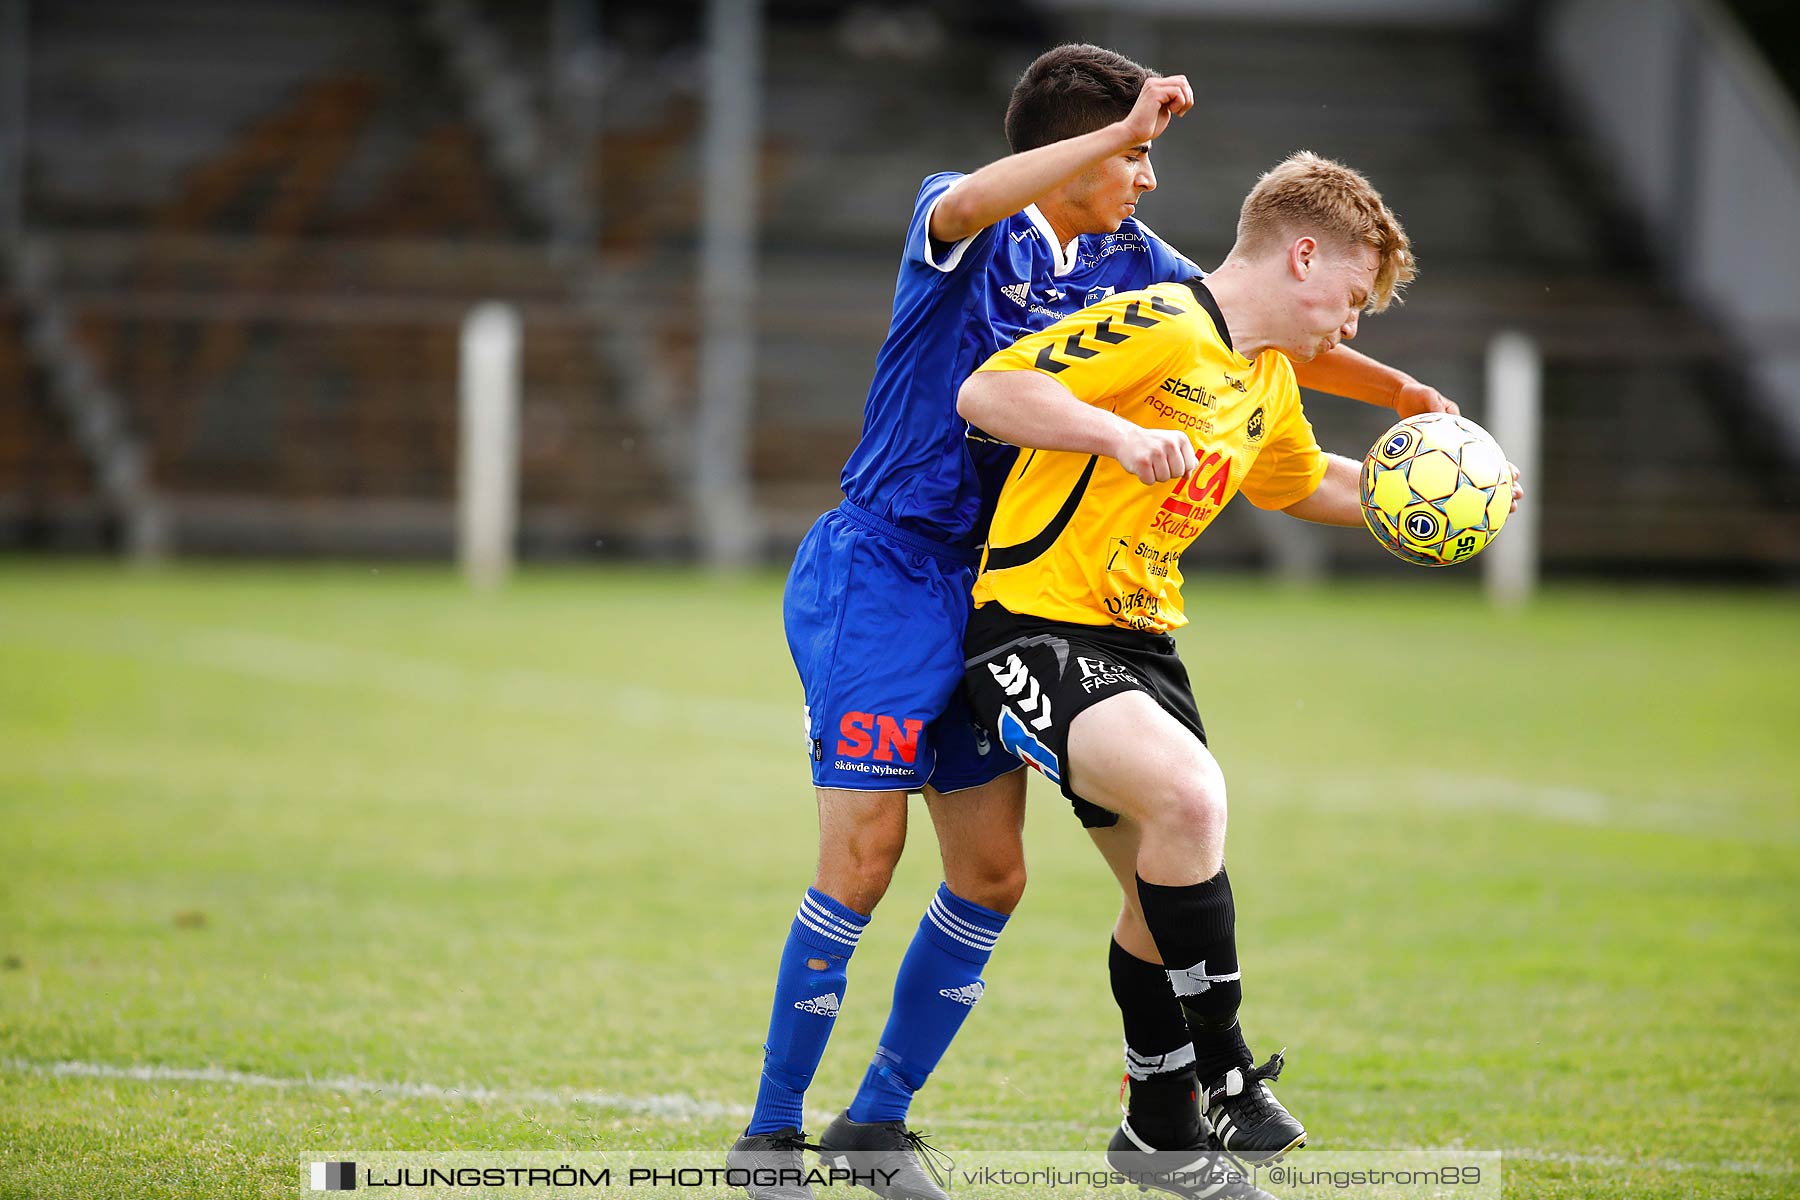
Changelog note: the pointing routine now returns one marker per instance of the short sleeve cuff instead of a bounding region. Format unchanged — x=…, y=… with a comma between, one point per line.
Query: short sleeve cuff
x=957, y=249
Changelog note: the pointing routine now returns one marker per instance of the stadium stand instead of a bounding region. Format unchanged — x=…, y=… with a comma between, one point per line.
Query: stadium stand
x=268, y=218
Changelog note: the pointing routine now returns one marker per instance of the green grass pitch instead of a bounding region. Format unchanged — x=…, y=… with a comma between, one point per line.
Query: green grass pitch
x=318, y=853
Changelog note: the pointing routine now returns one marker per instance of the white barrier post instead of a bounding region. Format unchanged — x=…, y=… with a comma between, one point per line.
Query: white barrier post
x=488, y=474
x=725, y=516
x=1515, y=376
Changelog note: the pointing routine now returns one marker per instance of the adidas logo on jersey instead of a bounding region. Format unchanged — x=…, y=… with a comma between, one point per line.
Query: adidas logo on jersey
x=1017, y=293
x=967, y=994
x=821, y=1006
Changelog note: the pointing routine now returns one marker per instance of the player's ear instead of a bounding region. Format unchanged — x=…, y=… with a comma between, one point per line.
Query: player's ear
x=1303, y=257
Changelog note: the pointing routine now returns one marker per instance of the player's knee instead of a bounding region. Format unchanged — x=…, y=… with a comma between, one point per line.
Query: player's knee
x=1192, y=809
x=858, y=867
x=996, y=882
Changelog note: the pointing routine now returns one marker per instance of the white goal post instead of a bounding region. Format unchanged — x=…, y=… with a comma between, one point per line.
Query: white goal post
x=488, y=451
x=1515, y=374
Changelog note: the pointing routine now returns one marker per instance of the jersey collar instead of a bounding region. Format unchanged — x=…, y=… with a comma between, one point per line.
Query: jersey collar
x=1065, y=256
x=1203, y=294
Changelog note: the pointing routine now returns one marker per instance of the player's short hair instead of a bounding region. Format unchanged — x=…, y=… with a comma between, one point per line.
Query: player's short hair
x=1071, y=90
x=1306, y=193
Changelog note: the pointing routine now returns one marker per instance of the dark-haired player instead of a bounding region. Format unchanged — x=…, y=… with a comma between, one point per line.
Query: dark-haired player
x=877, y=599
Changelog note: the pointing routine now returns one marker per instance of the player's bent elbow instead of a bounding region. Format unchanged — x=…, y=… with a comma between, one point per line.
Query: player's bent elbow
x=973, y=398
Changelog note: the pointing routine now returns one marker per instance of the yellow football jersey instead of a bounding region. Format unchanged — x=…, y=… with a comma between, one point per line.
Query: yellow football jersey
x=1079, y=538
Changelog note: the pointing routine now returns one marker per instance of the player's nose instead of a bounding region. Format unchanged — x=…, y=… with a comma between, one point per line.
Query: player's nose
x=1146, y=179
x=1347, y=330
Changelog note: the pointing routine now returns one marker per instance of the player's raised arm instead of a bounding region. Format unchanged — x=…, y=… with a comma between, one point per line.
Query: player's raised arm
x=1005, y=186
x=1030, y=409
x=1345, y=372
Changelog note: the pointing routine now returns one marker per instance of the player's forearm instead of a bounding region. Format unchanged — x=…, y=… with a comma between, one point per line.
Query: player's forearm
x=1005, y=186
x=1355, y=376
x=1038, y=413
x=1338, y=498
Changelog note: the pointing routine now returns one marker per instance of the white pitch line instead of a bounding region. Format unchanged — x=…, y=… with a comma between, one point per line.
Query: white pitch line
x=684, y=1107
x=671, y=1104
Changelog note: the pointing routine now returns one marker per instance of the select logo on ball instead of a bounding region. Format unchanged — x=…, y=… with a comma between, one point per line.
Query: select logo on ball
x=1422, y=527
x=1399, y=442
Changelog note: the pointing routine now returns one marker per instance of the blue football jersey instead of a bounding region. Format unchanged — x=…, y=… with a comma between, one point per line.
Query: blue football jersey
x=919, y=465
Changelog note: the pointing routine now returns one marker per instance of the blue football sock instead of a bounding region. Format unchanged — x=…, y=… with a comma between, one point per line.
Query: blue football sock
x=939, y=982
x=808, y=990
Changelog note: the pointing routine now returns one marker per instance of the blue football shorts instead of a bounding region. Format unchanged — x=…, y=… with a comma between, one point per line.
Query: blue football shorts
x=875, y=618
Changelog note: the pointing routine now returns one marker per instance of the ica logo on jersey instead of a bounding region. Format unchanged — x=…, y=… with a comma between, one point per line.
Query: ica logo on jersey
x=1205, y=485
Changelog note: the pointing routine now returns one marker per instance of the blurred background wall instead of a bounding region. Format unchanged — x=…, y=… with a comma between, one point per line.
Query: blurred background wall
x=240, y=239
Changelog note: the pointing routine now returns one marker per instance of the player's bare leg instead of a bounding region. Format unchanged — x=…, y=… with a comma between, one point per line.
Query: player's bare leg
x=980, y=833
x=981, y=837
x=1130, y=756
x=861, y=836
x=1118, y=845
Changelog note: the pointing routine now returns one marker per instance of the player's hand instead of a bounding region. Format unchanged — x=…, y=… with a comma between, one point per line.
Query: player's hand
x=1518, y=491
x=1156, y=455
x=1163, y=98
x=1416, y=398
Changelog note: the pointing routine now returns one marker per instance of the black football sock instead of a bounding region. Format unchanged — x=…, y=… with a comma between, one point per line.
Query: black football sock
x=1195, y=930
x=1159, y=1053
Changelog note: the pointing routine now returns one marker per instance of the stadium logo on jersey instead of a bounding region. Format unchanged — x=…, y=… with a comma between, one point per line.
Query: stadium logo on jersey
x=1181, y=389
x=1255, y=428
x=1018, y=293
x=820, y=1006
x=967, y=994
x=1096, y=295
x=862, y=734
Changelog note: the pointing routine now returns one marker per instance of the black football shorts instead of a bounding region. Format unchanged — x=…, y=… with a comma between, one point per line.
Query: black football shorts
x=1027, y=678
